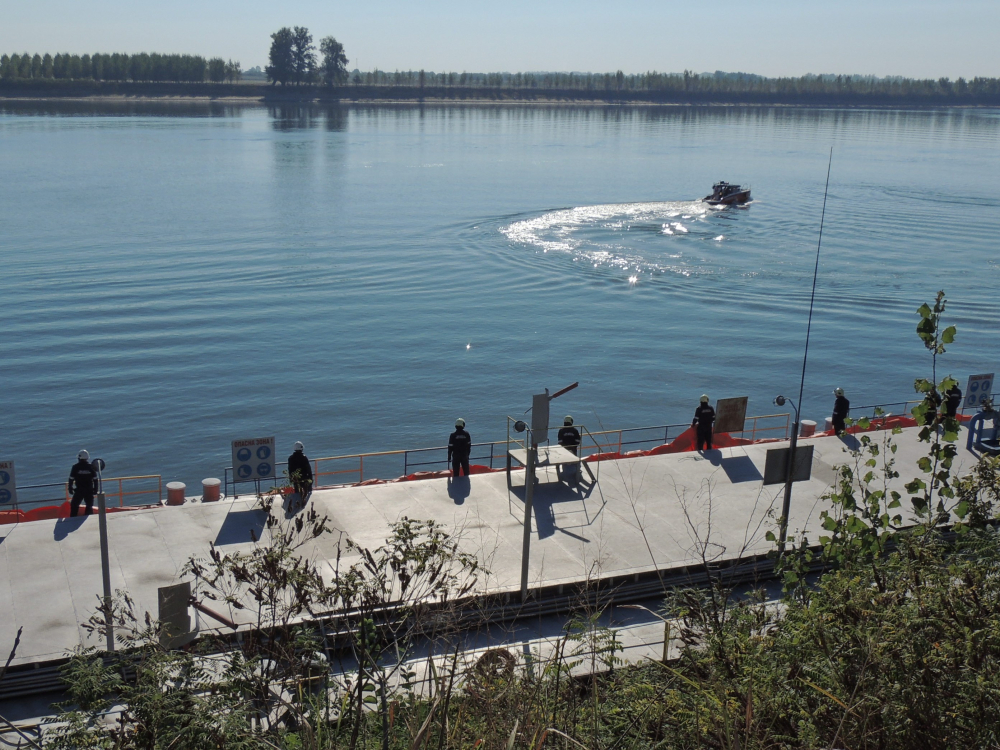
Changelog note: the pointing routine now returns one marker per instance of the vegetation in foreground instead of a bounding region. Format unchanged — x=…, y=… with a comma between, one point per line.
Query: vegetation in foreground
x=897, y=646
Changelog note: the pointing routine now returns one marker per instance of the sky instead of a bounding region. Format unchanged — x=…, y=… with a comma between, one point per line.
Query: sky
x=916, y=38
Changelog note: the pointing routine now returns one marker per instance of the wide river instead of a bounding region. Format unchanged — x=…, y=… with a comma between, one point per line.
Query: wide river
x=179, y=276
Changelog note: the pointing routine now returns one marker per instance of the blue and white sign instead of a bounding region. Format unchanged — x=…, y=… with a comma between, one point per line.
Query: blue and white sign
x=8, y=483
x=253, y=459
x=978, y=390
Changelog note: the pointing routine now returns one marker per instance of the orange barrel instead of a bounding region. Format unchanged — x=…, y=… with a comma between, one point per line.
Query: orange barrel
x=210, y=489
x=807, y=428
x=175, y=493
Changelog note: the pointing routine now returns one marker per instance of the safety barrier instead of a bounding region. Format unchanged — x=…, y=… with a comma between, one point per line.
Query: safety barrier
x=355, y=468
x=148, y=488
x=336, y=471
x=37, y=502
x=874, y=410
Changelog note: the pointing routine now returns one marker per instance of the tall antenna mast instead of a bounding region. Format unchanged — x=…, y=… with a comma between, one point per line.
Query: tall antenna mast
x=786, y=504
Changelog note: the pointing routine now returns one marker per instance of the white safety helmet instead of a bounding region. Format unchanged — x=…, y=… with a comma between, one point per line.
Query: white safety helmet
x=298, y=446
x=83, y=456
x=704, y=398
x=838, y=391
x=567, y=420
x=460, y=422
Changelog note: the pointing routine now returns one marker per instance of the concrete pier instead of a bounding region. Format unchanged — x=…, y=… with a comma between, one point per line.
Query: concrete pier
x=641, y=514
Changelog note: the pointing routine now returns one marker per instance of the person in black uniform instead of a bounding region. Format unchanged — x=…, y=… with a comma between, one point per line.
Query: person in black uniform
x=703, y=422
x=459, y=448
x=300, y=472
x=841, y=408
x=934, y=404
x=569, y=438
x=82, y=484
x=954, y=400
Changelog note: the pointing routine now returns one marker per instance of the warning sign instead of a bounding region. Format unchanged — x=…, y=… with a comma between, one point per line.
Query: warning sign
x=8, y=483
x=978, y=390
x=253, y=459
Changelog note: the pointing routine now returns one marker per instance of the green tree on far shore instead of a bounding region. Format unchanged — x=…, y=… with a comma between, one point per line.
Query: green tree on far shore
x=281, y=61
x=303, y=55
x=334, y=65
x=217, y=70
x=234, y=72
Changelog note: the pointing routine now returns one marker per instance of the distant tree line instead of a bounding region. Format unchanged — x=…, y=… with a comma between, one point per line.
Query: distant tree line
x=292, y=59
x=120, y=67
x=719, y=83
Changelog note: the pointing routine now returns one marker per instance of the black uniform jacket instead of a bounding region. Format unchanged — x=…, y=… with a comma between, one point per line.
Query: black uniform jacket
x=569, y=437
x=459, y=444
x=83, y=478
x=298, y=462
x=841, y=407
x=704, y=417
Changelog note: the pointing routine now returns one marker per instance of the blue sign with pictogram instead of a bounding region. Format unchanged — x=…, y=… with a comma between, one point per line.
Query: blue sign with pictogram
x=253, y=459
x=978, y=391
x=8, y=483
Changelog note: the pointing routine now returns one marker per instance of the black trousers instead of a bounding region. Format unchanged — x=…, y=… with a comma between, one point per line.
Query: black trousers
x=457, y=463
x=78, y=497
x=303, y=487
x=838, y=425
x=704, y=438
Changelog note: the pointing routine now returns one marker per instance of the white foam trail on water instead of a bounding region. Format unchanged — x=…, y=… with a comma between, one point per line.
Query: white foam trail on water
x=578, y=231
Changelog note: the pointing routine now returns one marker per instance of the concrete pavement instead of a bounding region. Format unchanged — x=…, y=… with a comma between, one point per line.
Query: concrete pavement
x=641, y=514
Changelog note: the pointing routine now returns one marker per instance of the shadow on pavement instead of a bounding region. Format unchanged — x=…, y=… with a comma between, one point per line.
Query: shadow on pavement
x=66, y=526
x=238, y=525
x=459, y=489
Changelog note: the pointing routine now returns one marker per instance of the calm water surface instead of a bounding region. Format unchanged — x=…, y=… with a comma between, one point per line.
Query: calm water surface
x=177, y=277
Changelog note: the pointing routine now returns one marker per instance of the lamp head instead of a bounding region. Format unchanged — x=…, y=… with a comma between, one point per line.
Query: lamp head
x=520, y=425
x=780, y=401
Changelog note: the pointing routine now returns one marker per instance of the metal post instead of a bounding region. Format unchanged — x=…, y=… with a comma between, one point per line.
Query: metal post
x=786, y=504
x=529, y=494
x=102, y=523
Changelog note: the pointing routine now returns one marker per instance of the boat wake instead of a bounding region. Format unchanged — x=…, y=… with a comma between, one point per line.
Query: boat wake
x=635, y=237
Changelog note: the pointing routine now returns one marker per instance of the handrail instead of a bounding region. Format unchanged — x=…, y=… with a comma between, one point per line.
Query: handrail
x=356, y=469
x=873, y=407
x=121, y=492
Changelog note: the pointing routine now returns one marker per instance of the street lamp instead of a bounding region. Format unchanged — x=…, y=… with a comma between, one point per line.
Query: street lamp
x=102, y=523
x=789, y=473
x=539, y=425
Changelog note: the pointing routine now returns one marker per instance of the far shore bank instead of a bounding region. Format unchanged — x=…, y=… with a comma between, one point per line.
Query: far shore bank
x=254, y=93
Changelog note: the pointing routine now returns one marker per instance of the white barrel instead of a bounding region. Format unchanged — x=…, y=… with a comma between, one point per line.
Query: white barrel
x=829, y=424
x=210, y=489
x=175, y=493
x=807, y=428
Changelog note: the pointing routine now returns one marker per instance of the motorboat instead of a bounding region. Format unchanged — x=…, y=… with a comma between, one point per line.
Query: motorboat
x=727, y=194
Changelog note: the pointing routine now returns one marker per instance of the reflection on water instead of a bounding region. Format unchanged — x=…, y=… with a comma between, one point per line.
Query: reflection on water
x=285, y=117
x=805, y=121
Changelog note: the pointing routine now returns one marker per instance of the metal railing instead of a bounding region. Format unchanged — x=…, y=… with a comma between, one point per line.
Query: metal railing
x=147, y=486
x=757, y=429
x=354, y=468
x=863, y=411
